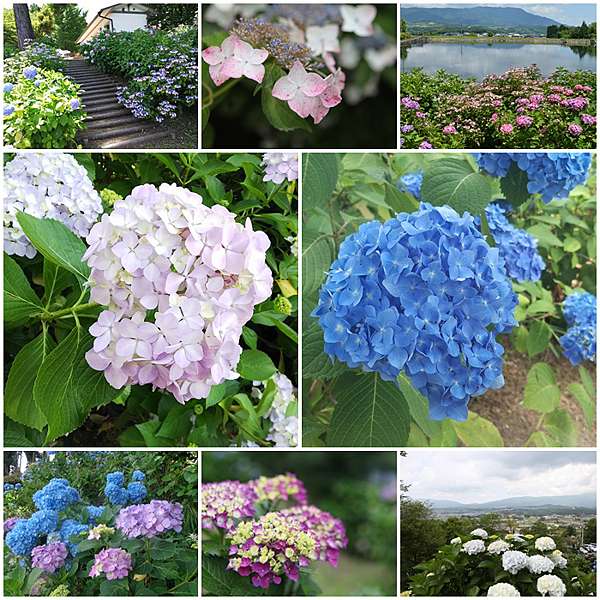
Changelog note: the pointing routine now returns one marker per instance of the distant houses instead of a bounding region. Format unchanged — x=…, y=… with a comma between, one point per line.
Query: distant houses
x=117, y=17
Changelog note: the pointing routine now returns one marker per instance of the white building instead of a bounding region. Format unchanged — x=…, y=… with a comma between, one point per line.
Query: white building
x=118, y=17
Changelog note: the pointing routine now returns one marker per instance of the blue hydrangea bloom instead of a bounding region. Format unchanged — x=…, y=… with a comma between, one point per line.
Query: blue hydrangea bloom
x=551, y=174
x=517, y=247
x=21, y=539
x=70, y=528
x=94, y=513
x=8, y=87
x=579, y=343
x=411, y=183
x=75, y=104
x=56, y=495
x=425, y=294
x=117, y=478
x=30, y=72
x=138, y=476
x=8, y=487
x=136, y=492
x=116, y=494
x=9, y=109
x=18, y=486
x=43, y=521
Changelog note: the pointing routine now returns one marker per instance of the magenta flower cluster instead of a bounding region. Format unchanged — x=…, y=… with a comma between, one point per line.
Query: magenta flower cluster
x=113, y=563
x=49, y=557
x=150, y=520
x=226, y=502
x=163, y=250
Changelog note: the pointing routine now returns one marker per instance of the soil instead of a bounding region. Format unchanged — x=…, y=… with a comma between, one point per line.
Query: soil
x=503, y=407
x=183, y=132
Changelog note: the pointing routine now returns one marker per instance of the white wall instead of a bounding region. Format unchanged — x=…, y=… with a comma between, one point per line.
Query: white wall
x=127, y=22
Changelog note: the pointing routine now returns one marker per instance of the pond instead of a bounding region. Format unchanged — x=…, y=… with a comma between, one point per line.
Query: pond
x=479, y=60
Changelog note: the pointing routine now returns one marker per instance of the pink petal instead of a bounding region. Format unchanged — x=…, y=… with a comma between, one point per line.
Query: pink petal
x=254, y=72
x=146, y=374
x=284, y=89
x=218, y=257
x=173, y=282
x=212, y=55
x=302, y=105
x=217, y=75
x=297, y=73
x=258, y=56
x=318, y=113
x=181, y=359
x=313, y=85
x=102, y=341
x=116, y=377
x=232, y=68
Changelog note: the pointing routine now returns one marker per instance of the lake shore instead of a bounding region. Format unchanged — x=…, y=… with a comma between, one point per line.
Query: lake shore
x=495, y=39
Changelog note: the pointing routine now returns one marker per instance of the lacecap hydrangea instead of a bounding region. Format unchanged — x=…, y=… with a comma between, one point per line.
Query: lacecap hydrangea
x=579, y=342
x=48, y=185
x=425, y=294
x=202, y=273
x=550, y=174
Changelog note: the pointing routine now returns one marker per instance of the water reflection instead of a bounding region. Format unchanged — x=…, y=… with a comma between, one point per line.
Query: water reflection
x=479, y=60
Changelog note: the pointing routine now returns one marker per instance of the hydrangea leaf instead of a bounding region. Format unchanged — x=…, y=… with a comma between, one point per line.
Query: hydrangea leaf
x=478, y=432
x=560, y=425
x=540, y=439
x=256, y=365
x=317, y=256
x=544, y=235
x=538, y=338
x=315, y=363
x=319, y=178
x=19, y=404
x=514, y=185
x=20, y=301
x=455, y=182
x=586, y=402
x=541, y=392
x=369, y=412
x=56, y=243
x=218, y=581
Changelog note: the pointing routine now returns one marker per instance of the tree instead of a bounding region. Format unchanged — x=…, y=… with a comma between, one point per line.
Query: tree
x=42, y=20
x=23, y=24
x=10, y=32
x=170, y=16
x=552, y=31
x=539, y=528
x=589, y=531
x=70, y=24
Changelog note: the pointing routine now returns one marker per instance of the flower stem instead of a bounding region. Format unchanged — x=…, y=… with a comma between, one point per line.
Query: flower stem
x=71, y=310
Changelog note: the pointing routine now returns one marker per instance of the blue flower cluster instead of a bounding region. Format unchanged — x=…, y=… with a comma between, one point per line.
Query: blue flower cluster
x=421, y=293
x=579, y=343
x=23, y=537
x=551, y=174
x=9, y=487
x=69, y=530
x=517, y=247
x=94, y=513
x=411, y=183
x=56, y=495
x=117, y=493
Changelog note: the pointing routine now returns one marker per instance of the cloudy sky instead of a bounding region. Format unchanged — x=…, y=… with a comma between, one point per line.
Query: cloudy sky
x=482, y=476
x=568, y=13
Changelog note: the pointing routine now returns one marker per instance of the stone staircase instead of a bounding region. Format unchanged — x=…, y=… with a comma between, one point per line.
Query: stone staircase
x=109, y=124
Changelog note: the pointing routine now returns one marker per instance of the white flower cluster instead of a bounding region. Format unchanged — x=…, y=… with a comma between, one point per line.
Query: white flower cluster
x=540, y=564
x=551, y=585
x=456, y=540
x=503, y=590
x=513, y=561
x=545, y=543
x=480, y=533
x=280, y=166
x=49, y=185
x=473, y=547
x=498, y=547
x=558, y=559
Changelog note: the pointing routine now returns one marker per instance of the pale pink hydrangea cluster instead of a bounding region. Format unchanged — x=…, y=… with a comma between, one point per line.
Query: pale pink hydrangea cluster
x=280, y=166
x=309, y=93
x=113, y=563
x=163, y=250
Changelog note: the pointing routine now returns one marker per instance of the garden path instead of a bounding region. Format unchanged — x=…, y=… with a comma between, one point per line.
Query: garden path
x=108, y=124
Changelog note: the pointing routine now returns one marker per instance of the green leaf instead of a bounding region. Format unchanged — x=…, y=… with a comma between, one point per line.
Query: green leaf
x=571, y=244
x=277, y=112
x=315, y=363
x=218, y=581
x=317, y=256
x=55, y=280
x=478, y=432
x=319, y=178
x=540, y=440
x=418, y=406
x=250, y=337
x=538, y=338
x=56, y=243
x=541, y=392
x=453, y=181
x=544, y=235
x=19, y=404
x=20, y=301
x=586, y=402
x=561, y=427
x=66, y=388
x=514, y=185
x=256, y=365
x=588, y=382
x=368, y=412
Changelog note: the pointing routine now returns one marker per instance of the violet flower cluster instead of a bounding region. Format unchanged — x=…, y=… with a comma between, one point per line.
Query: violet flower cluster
x=49, y=557
x=579, y=343
x=425, y=294
x=113, y=563
x=226, y=502
x=280, y=166
x=150, y=520
x=201, y=273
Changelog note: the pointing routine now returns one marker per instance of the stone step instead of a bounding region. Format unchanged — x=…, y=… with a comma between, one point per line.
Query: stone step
x=113, y=132
x=98, y=95
x=92, y=101
x=100, y=106
x=134, y=141
x=89, y=89
x=94, y=80
x=112, y=122
x=105, y=114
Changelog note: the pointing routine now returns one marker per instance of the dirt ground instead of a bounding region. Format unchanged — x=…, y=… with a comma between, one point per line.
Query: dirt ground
x=516, y=423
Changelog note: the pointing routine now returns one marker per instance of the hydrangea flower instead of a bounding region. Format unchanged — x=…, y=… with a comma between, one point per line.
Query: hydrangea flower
x=49, y=557
x=30, y=72
x=280, y=166
x=540, y=564
x=514, y=560
x=480, y=533
x=56, y=495
x=94, y=512
x=233, y=59
x=116, y=494
x=49, y=185
x=411, y=183
x=558, y=559
x=551, y=174
x=8, y=87
x=22, y=538
x=8, y=110
x=503, y=590
x=473, y=547
x=579, y=343
x=545, y=543
x=150, y=520
x=43, y=521
x=358, y=19
x=498, y=547
x=96, y=533
x=203, y=273
x=136, y=492
x=226, y=502
x=425, y=294
x=10, y=523
x=551, y=585
x=113, y=563
x=71, y=529
x=281, y=488
x=138, y=476
x=269, y=549
x=116, y=478
x=328, y=532
x=456, y=540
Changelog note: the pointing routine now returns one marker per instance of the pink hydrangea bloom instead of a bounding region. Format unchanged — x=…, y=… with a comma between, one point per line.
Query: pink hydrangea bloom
x=494, y=117
x=150, y=520
x=575, y=130
x=524, y=121
x=506, y=128
x=49, y=557
x=449, y=130
x=233, y=59
x=588, y=119
x=358, y=19
x=114, y=563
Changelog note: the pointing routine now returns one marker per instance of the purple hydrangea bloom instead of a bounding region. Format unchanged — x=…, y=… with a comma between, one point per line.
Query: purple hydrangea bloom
x=49, y=557
x=280, y=166
x=114, y=563
x=10, y=523
x=30, y=72
x=150, y=520
x=226, y=502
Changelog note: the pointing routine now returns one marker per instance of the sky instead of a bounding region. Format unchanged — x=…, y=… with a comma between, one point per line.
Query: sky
x=568, y=13
x=482, y=476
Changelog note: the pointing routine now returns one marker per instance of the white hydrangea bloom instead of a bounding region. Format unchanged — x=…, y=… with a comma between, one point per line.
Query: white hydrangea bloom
x=515, y=537
x=473, y=547
x=47, y=184
x=513, y=561
x=280, y=166
x=551, y=585
x=540, y=564
x=503, y=590
x=480, y=533
x=498, y=547
x=545, y=543
x=456, y=540
x=284, y=432
x=558, y=559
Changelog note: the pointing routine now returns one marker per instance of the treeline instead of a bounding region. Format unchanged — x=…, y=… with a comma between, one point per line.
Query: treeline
x=583, y=32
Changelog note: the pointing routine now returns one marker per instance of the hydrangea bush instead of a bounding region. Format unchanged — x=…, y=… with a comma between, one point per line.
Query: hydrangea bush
x=42, y=108
x=162, y=284
x=421, y=272
x=129, y=545
x=265, y=532
x=161, y=68
x=504, y=565
x=516, y=109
